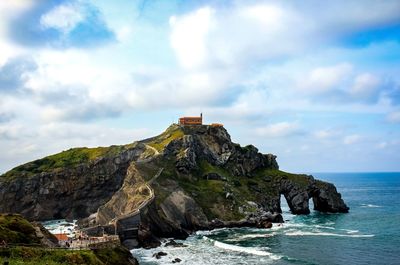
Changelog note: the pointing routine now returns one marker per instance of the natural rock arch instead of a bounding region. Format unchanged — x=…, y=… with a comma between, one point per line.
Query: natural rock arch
x=324, y=196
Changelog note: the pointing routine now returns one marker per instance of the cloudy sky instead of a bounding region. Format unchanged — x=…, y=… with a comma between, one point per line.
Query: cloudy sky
x=315, y=82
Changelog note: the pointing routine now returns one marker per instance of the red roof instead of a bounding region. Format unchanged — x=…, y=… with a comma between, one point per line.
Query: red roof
x=61, y=237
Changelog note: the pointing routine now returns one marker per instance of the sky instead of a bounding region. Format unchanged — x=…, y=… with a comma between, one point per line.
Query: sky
x=316, y=83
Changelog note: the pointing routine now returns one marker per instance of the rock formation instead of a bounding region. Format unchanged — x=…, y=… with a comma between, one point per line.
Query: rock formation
x=188, y=178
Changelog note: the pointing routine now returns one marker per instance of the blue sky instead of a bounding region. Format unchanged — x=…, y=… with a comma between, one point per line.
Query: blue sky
x=317, y=84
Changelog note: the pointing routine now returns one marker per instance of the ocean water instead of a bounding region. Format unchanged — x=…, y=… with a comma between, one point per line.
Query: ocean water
x=369, y=234
x=61, y=226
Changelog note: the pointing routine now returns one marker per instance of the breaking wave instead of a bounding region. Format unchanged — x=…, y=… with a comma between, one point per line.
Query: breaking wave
x=370, y=206
x=303, y=233
x=248, y=250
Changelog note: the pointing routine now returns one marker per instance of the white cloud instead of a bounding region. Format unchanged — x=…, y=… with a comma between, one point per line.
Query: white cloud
x=382, y=145
x=351, y=139
x=63, y=17
x=9, y=9
x=326, y=134
x=365, y=86
x=393, y=117
x=209, y=36
x=323, y=79
x=240, y=64
x=280, y=129
x=188, y=36
x=247, y=33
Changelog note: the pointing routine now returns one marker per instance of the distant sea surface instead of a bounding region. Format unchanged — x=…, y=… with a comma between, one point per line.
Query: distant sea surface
x=369, y=234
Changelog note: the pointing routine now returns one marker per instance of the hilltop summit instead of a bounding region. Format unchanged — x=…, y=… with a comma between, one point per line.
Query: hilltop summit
x=187, y=178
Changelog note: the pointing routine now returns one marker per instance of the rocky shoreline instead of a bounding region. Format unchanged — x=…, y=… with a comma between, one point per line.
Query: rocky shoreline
x=186, y=179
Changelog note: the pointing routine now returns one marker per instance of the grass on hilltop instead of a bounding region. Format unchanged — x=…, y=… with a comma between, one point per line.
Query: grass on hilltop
x=66, y=159
x=161, y=141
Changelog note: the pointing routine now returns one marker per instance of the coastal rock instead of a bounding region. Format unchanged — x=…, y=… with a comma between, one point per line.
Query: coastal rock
x=160, y=254
x=327, y=199
x=146, y=238
x=46, y=238
x=183, y=211
x=173, y=243
x=75, y=192
x=186, y=179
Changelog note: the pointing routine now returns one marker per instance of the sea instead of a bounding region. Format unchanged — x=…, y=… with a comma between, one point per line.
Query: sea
x=368, y=234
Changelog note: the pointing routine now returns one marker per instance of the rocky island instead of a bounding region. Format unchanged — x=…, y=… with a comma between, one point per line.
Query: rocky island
x=190, y=177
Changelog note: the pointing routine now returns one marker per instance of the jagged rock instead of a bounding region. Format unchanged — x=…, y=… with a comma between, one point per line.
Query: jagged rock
x=186, y=161
x=327, y=199
x=160, y=254
x=184, y=211
x=46, y=238
x=176, y=260
x=130, y=243
x=271, y=217
x=173, y=243
x=73, y=192
x=264, y=224
x=271, y=161
x=146, y=238
x=121, y=183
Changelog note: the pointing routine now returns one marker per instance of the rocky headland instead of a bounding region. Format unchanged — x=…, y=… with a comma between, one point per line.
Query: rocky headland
x=188, y=178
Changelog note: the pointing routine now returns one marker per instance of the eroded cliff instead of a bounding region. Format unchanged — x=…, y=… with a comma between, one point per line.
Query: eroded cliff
x=187, y=178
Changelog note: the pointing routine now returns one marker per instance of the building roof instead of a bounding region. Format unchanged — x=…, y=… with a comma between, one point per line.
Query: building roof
x=61, y=237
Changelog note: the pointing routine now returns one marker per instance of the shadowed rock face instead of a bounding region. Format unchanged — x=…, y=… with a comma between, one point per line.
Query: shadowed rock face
x=207, y=182
x=69, y=193
x=324, y=196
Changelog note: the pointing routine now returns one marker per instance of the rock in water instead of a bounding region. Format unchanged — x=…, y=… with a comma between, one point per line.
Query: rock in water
x=158, y=255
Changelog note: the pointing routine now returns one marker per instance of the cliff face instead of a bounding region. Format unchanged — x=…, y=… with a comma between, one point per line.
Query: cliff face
x=187, y=178
x=71, y=192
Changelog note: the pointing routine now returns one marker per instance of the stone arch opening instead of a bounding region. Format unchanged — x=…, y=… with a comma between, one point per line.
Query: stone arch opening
x=283, y=204
x=324, y=195
x=297, y=200
x=323, y=198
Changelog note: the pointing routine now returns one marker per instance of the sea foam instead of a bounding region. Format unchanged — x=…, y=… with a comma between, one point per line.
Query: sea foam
x=303, y=233
x=248, y=250
x=370, y=206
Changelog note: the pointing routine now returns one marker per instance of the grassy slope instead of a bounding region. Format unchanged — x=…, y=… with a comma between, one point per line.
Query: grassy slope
x=41, y=256
x=76, y=156
x=160, y=142
x=15, y=229
x=65, y=159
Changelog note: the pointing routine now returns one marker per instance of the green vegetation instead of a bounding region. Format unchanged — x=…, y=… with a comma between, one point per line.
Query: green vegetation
x=41, y=256
x=300, y=179
x=16, y=232
x=206, y=168
x=65, y=159
x=211, y=194
x=15, y=229
x=161, y=141
x=110, y=256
